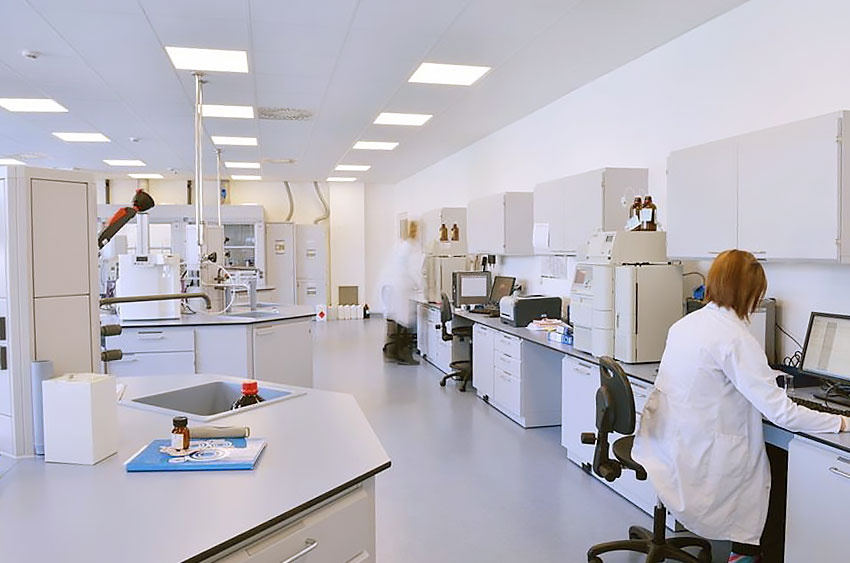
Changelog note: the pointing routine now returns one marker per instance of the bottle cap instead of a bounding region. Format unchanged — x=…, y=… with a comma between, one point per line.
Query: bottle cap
x=249, y=388
x=181, y=422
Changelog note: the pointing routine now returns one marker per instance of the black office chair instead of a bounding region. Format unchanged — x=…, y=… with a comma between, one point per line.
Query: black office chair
x=615, y=412
x=462, y=369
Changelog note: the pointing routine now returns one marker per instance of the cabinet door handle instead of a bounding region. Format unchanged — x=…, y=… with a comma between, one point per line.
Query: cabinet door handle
x=309, y=545
x=263, y=331
x=125, y=359
x=839, y=472
x=151, y=336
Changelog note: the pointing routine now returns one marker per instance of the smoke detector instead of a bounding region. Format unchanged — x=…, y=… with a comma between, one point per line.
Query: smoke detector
x=279, y=160
x=284, y=114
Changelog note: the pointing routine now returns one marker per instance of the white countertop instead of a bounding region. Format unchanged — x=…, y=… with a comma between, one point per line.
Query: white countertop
x=318, y=444
x=203, y=319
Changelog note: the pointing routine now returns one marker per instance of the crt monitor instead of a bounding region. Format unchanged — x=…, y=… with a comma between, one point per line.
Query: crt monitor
x=471, y=288
x=503, y=286
x=827, y=349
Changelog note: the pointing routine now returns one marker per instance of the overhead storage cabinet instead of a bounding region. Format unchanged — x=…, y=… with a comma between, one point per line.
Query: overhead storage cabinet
x=572, y=208
x=501, y=224
x=781, y=193
x=429, y=231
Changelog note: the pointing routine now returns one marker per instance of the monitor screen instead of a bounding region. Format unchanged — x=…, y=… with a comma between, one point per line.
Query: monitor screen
x=502, y=287
x=827, y=348
x=472, y=288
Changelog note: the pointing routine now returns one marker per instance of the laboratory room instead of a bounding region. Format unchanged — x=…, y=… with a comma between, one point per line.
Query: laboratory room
x=392, y=281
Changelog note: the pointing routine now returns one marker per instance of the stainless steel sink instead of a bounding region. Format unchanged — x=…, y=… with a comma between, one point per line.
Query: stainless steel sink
x=253, y=314
x=207, y=401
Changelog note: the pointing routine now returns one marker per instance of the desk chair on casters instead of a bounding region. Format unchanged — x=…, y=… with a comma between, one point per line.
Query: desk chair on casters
x=615, y=412
x=462, y=368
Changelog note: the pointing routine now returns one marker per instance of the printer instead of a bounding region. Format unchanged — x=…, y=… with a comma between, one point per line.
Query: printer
x=518, y=310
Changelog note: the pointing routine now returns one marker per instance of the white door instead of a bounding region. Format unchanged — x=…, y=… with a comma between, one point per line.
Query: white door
x=702, y=197
x=422, y=331
x=70, y=350
x=283, y=352
x=788, y=190
x=580, y=380
x=280, y=261
x=155, y=363
x=311, y=292
x=482, y=361
x=311, y=242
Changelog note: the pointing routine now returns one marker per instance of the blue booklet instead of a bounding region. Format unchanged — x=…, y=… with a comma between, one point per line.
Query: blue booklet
x=205, y=455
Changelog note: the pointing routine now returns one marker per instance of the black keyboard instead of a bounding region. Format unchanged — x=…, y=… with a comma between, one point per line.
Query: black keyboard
x=819, y=406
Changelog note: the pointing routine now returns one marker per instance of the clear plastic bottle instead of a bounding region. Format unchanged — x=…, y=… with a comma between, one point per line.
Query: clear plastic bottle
x=249, y=396
x=648, y=215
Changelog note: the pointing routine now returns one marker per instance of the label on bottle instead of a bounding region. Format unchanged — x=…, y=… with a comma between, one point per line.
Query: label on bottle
x=177, y=441
x=646, y=215
x=633, y=223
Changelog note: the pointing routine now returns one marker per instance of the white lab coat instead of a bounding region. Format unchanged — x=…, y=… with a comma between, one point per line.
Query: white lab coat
x=400, y=282
x=700, y=437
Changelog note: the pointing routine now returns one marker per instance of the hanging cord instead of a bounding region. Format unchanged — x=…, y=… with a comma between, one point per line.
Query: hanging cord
x=291, y=201
x=327, y=209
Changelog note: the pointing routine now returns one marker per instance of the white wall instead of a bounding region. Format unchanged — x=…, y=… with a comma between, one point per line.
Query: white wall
x=762, y=64
x=347, y=238
x=381, y=236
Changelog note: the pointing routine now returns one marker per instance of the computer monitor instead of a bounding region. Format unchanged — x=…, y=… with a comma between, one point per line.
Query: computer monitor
x=826, y=352
x=471, y=288
x=502, y=287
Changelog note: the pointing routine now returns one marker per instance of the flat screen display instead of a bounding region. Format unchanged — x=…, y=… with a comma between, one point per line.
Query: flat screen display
x=827, y=349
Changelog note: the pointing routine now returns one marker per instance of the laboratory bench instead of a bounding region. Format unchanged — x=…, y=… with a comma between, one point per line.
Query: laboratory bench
x=278, y=345
x=313, y=483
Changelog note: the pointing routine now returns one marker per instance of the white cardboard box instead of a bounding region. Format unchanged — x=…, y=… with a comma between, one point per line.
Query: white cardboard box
x=80, y=418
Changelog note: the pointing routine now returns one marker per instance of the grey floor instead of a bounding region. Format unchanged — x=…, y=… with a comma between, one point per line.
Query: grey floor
x=467, y=484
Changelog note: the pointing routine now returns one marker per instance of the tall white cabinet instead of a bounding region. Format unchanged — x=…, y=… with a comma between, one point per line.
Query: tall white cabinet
x=782, y=193
x=280, y=261
x=48, y=287
x=568, y=210
x=311, y=264
x=501, y=224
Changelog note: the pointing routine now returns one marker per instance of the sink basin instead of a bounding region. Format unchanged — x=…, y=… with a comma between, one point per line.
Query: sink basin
x=207, y=401
x=253, y=315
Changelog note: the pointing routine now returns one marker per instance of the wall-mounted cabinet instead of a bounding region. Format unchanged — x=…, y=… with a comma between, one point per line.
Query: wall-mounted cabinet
x=501, y=224
x=782, y=193
x=443, y=231
x=568, y=210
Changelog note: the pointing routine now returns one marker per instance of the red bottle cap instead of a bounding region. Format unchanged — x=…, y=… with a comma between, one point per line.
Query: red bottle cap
x=249, y=388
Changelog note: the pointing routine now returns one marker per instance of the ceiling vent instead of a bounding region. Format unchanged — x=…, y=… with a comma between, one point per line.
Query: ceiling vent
x=284, y=114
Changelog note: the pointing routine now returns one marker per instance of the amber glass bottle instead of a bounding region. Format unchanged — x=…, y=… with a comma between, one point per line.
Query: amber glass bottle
x=180, y=433
x=634, y=213
x=249, y=395
x=648, y=215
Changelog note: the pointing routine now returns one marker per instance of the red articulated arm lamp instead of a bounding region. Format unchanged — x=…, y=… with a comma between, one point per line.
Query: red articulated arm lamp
x=142, y=201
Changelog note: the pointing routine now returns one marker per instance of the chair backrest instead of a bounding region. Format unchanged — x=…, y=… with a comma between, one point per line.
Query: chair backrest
x=615, y=402
x=446, y=315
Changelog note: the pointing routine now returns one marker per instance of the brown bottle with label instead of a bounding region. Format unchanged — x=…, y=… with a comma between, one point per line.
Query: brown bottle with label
x=180, y=433
x=634, y=214
x=648, y=215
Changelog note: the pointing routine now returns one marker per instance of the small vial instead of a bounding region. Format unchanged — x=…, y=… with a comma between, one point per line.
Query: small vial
x=180, y=433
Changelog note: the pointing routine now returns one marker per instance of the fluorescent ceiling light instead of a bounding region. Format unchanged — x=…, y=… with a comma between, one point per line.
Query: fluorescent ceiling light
x=187, y=58
x=341, y=179
x=238, y=141
x=113, y=162
x=416, y=119
x=239, y=112
x=242, y=165
x=36, y=105
x=454, y=75
x=11, y=162
x=245, y=177
x=82, y=137
x=352, y=167
x=375, y=145
x=145, y=176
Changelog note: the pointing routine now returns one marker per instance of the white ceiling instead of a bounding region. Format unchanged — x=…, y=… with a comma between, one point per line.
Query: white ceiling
x=343, y=60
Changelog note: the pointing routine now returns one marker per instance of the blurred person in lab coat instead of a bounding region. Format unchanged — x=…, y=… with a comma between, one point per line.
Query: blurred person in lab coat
x=401, y=281
x=700, y=437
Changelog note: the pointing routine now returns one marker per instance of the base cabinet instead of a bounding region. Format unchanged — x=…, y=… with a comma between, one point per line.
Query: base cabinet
x=818, y=497
x=341, y=531
x=483, y=341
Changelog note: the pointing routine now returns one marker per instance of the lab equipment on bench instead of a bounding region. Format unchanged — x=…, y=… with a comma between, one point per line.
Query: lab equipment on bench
x=502, y=286
x=826, y=352
x=518, y=310
x=470, y=288
x=149, y=274
x=438, y=272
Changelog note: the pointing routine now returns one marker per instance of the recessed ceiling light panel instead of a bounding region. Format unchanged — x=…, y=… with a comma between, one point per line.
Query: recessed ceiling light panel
x=235, y=141
x=229, y=164
x=82, y=137
x=214, y=60
x=415, y=119
x=245, y=177
x=145, y=176
x=375, y=145
x=453, y=75
x=34, y=105
x=119, y=162
x=341, y=179
x=238, y=112
x=352, y=167
x=11, y=162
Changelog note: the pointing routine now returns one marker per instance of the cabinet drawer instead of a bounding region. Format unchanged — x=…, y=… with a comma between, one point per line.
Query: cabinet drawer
x=133, y=340
x=336, y=533
x=507, y=391
x=510, y=345
x=509, y=365
x=164, y=363
x=478, y=330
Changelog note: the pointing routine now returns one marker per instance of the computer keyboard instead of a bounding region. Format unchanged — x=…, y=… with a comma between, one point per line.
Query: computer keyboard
x=819, y=406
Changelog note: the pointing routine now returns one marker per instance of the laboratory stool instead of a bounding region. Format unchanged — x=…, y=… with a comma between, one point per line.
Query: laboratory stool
x=461, y=369
x=615, y=412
